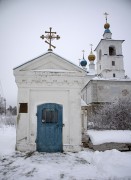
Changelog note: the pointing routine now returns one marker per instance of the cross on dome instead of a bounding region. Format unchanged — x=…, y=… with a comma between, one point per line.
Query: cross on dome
x=91, y=56
x=83, y=62
x=83, y=53
x=106, y=25
x=91, y=46
x=106, y=14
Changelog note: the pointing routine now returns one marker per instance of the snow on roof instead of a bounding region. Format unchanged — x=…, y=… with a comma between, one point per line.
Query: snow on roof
x=83, y=103
x=108, y=136
x=91, y=72
x=111, y=79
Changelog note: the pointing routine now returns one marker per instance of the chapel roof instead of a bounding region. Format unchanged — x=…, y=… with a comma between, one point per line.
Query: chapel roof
x=47, y=53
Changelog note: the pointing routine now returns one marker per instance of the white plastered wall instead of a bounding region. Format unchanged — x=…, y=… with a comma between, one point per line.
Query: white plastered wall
x=27, y=123
x=41, y=86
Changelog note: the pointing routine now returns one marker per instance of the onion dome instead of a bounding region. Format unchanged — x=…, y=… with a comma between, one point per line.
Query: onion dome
x=91, y=56
x=106, y=25
x=83, y=62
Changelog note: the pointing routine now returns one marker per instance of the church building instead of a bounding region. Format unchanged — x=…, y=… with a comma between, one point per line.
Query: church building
x=49, y=104
x=54, y=94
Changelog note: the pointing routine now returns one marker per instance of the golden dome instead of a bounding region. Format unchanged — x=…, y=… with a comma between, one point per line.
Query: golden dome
x=106, y=26
x=91, y=57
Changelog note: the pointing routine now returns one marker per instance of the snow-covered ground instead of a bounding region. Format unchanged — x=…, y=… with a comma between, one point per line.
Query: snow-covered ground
x=85, y=165
x=107, y=136
x=7, y=140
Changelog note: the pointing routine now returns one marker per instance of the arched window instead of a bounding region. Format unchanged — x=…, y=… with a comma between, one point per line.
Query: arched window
x=112, y=51
x=100, y=53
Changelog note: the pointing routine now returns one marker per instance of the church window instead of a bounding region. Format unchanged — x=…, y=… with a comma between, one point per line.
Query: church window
x=100, y=53
x=112, y=51
x=113, y=63
x=23, y=108
x=114, y=75
x=100, y=67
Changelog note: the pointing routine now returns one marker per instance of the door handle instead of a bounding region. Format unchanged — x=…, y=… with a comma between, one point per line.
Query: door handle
x=60, y=125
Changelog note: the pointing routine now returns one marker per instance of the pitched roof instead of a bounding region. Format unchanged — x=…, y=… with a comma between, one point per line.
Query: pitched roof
x=52, y=53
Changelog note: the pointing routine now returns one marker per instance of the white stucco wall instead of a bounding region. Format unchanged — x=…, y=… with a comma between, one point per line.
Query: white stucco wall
x=106, y=90
x=104, y=65
x=37, y=86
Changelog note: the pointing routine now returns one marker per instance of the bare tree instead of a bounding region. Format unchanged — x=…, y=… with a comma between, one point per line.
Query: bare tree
x=2, y=105
x=116, y=115
x=12, y=110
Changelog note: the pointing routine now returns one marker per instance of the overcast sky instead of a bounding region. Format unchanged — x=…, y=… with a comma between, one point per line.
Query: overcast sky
x=78, y=22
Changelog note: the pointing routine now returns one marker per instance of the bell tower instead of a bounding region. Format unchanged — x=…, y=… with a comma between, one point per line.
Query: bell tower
x=109, y=55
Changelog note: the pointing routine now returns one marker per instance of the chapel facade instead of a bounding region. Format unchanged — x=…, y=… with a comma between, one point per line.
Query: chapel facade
x=49, y=104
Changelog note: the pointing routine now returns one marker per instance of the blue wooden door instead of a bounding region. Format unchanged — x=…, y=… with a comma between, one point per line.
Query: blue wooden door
x=49, y=128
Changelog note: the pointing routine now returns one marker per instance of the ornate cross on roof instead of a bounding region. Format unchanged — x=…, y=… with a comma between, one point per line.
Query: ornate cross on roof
x=49, y=37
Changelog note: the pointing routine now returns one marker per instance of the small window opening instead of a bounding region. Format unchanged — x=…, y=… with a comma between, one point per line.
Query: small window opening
x=112, y=51
x=114, y=75
x=113, y=63
x=23, y=108
x=100, y=67
x=50, y=116
x=100, y=53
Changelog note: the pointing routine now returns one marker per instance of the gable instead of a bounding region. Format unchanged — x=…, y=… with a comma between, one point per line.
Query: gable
x=49, y=62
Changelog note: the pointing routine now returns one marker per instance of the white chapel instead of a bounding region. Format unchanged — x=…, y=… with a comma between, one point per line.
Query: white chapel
x=54, y=95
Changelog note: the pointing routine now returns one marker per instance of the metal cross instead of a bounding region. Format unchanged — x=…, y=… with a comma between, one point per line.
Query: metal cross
x=91, y=46
x=83, y=53
x=49, y=37
x=106, y=14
